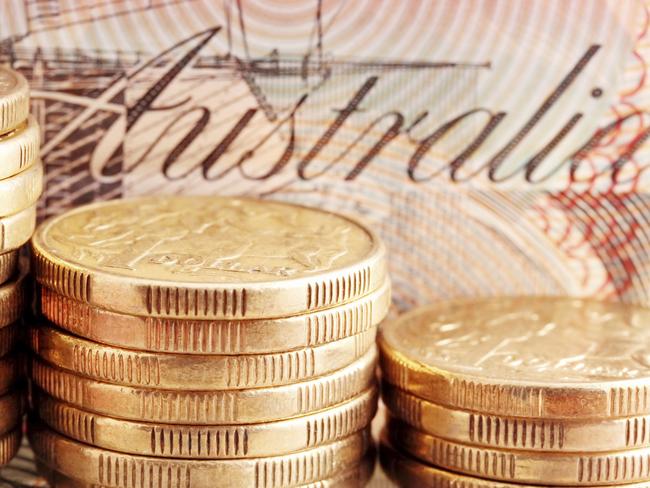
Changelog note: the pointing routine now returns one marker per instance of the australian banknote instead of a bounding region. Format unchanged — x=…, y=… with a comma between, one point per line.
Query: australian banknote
x=499, y=147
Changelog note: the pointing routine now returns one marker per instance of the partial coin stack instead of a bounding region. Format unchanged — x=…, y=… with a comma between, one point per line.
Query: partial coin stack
x=206, y=342
x=21, y=182
x=508, y=391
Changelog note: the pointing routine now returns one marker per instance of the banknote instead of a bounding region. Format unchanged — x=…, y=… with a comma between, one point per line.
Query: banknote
x=499, y=147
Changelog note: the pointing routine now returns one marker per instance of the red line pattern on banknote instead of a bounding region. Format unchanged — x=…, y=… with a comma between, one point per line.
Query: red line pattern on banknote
x=612, y=222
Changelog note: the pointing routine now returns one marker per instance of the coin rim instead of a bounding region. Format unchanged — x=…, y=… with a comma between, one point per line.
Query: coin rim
x=14, y=104
x=298, y=331
x=14, y=191
x=12, y=407
x=186, y=372
x=17, y=229
x=19, y=148
x=575, y=469
x=8, y=265
x=13, y=297
x=245, y=468
x=392, y=462
x=444, y=422
x=137, y=438
x=75, y=390
x=9, y=336
x=9, y=444
x=11, y=369
x=356, y=477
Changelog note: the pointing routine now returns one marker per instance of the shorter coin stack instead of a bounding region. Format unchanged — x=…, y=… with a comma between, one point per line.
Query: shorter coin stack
x=21, y=182
x=206, y=342
x=509, y=391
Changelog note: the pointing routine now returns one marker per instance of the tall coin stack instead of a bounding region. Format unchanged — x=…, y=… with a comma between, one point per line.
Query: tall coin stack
x=206, y=342
x=508, y=391
x=21, y=183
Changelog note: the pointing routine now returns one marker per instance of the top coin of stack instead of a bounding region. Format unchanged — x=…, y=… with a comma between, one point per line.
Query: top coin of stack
x=230, y=339
x=540, y=391
x=21, y=181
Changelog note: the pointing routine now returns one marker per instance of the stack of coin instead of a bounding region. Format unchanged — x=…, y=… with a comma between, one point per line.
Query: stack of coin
x=21, y=182
x=205, y=342
x=510, y=391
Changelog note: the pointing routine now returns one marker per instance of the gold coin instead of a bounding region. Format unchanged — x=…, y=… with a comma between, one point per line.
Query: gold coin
x=14, y=100
x=58, y=480
x=207, y=407
x=9, y=444
x=518, y=433
x=574, y=469
x=19, y=148
x=210, y=441
x=11, y=411
x=13, y=299
x=21, y=191
x=8, y=265
x=526, y=357
x=407, y=472
x=17, y=229
x=356, y=477
x=207, y=257
x=9, y=336
x=216, y=337
x=193, y=372
x=99, y=466
x=11, y=370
